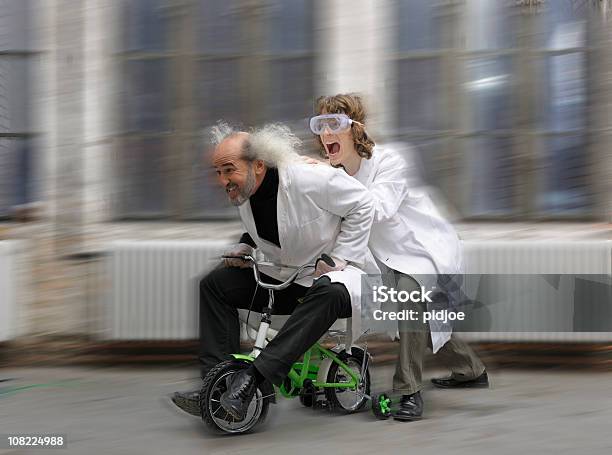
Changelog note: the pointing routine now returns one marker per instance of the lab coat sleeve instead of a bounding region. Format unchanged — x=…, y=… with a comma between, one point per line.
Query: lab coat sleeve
x=346, y=197
x=392, y=184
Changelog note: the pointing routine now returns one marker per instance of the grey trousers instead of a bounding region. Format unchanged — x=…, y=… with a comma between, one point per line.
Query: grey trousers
x=415, y=340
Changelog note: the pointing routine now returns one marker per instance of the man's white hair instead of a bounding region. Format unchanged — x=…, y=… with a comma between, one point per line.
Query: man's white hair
x=273, y=143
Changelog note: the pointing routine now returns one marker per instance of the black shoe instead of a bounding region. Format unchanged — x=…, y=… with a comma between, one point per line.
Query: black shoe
x=241, y=389
x=411, y=408
x=188, y=402
x=481, y=381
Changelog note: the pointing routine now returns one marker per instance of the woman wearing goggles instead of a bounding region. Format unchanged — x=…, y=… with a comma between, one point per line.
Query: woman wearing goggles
x=409, y=239
x=342, y=137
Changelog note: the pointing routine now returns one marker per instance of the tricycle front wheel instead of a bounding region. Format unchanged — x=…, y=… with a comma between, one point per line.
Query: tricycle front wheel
x=214, y=416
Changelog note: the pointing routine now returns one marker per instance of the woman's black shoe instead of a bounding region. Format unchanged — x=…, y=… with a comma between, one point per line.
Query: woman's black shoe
x=411, y=408
x=481, y=381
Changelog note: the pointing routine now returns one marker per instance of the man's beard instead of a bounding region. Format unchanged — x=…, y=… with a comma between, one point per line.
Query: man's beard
x=245, y=193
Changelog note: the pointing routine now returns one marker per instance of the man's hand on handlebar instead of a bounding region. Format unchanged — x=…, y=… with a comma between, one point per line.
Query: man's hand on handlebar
x=241, y=249
x=235, y=257
x=324, y=267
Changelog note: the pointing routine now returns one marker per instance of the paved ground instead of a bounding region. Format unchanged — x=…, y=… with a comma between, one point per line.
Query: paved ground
x=120, y=411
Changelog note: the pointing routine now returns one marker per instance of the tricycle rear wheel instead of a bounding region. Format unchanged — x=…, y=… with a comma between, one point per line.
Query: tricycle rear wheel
x=345, y=399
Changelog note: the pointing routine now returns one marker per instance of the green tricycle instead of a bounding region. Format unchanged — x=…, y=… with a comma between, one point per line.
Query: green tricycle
x=341, y=376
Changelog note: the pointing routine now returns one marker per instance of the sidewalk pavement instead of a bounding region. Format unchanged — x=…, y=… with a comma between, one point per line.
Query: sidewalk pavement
x=124, y=411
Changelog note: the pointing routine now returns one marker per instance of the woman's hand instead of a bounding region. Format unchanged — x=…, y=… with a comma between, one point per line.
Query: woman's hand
x=323, y=267
x=310, y=160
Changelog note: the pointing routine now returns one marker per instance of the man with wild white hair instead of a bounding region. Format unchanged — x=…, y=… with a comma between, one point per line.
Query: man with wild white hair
x=293, y=213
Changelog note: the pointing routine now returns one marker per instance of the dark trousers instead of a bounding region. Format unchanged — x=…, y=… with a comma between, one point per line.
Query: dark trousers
x=225, y=289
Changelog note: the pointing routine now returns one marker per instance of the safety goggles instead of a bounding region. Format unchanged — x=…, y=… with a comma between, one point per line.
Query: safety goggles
x=336, y=123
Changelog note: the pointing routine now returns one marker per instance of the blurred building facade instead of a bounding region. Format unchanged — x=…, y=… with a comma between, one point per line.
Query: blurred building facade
x=102, y=105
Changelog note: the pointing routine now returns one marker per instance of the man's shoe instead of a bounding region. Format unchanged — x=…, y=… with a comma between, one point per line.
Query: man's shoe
x=481, y=381
x=188, y=402
x=411, y=408
x=241, y=389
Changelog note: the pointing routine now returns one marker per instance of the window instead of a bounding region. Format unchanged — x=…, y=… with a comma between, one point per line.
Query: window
x=17, y=144
x=494, y=96
x=186, y=65
x=563, y=116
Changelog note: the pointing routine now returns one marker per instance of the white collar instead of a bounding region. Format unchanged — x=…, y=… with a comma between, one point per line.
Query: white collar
x=363, y=174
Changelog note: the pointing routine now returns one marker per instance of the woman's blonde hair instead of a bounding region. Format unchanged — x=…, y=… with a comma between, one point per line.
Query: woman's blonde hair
x=351, y=105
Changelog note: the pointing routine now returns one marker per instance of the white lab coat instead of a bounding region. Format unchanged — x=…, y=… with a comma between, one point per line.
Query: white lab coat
x=320, y=210
x=409, y=234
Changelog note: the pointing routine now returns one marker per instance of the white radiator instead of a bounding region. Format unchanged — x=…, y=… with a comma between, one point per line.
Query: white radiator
x=554, y=309
x=532, y=257
x=154, y=287
x=154, y=284
x=8, y=298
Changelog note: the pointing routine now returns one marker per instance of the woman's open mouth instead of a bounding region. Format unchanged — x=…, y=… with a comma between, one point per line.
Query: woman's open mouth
x=332, y=148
